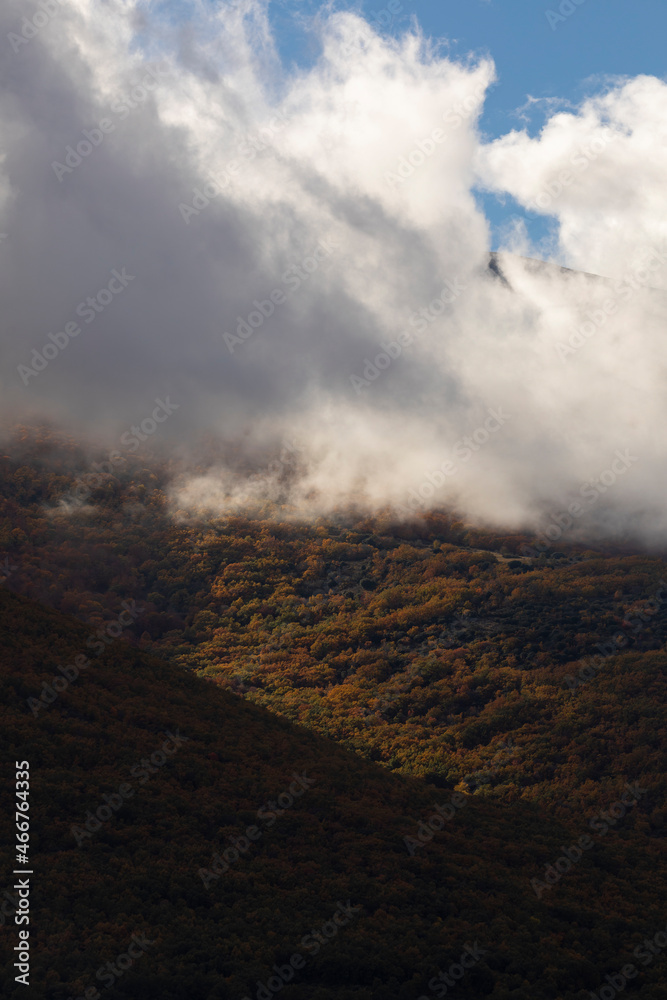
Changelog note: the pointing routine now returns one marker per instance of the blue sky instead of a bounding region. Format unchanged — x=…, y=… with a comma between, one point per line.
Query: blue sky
x=566, y=56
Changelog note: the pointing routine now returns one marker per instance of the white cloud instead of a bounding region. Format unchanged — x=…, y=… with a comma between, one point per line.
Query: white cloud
x=369, y=107
x=613, y=206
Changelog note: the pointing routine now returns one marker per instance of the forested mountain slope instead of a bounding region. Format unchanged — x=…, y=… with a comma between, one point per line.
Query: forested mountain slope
x=431, y=647
x=141, y=772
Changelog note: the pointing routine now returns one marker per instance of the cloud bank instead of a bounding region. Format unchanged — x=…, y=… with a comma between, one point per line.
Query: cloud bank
x=274, y=256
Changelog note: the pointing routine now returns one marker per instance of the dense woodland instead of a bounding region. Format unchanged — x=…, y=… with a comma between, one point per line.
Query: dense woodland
x=343, y=840
x=425, y=646
x=435, y=650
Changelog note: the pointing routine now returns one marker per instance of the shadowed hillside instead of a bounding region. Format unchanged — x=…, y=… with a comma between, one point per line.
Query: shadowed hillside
x=196, y=770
